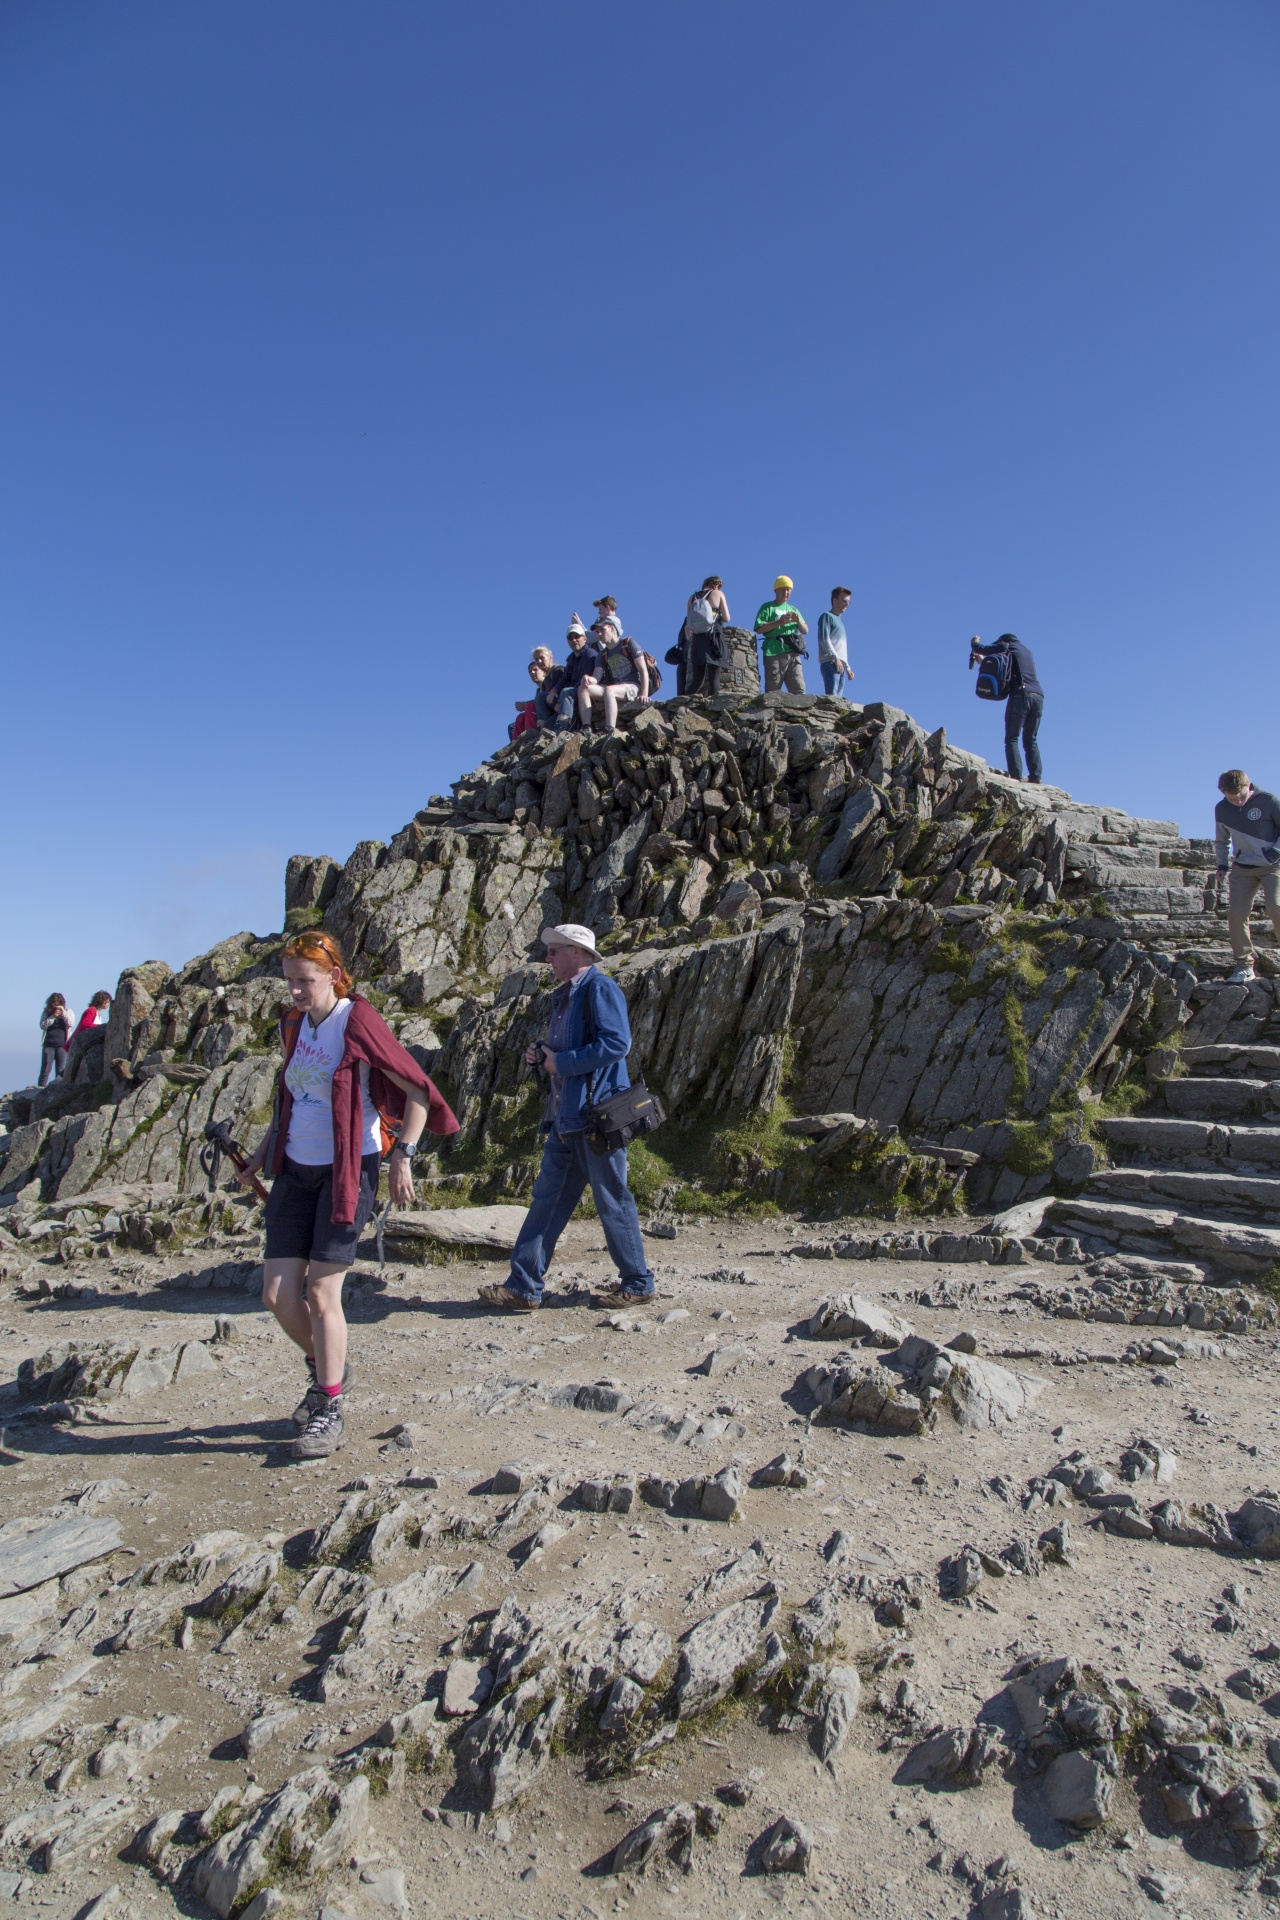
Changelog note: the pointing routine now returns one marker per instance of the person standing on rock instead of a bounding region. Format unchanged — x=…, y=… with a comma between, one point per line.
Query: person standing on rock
x=707, y=651
x=833, y=644
x=1251, y=819
x=56, y=1023
x=782, y=629
x=344, y=1070
x=1024, y=703
x=585, y=1059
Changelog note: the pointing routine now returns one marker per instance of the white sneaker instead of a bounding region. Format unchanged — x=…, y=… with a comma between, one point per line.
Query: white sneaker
x=1241, y=975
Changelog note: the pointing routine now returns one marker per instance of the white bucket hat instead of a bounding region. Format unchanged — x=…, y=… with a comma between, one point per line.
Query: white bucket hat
x=569, y=935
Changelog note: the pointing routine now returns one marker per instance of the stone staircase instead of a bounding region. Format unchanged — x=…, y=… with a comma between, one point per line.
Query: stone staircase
x=1197, y=1176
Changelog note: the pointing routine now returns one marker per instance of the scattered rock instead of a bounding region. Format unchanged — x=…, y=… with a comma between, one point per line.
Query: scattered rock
x=786, y=1847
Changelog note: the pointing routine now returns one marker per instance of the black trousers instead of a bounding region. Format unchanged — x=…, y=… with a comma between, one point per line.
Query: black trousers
x=706, y=664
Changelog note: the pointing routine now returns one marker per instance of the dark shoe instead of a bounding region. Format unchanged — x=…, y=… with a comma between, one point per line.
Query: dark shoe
x=614, y=1298
x=506, y=1298
x=325, y=1431
x=303, y=1411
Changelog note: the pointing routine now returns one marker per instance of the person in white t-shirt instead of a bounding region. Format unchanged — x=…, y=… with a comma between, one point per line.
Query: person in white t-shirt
x=344, y=1068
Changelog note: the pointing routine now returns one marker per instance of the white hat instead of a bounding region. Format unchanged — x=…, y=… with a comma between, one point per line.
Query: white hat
x=569, y=935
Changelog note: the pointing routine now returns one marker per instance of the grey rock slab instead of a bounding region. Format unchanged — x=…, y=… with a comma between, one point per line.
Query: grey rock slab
x=87, y=1827
x=1078, y=1790
x=266, y=1727
x=786, y=1847
x=1256, y=1525
x=837, y=1704
x=664, y=1830
x=133, y=1741
x=26, y=1728
x=484, y=1229
x=467, y=1685
x=722, y=1649
x=503, y=1751
x=851, y=1316
x=35, y=1550
x=310, y=1821
x=721, y=1494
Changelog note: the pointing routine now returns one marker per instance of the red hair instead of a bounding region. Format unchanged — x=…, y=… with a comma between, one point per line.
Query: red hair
x=323, y=951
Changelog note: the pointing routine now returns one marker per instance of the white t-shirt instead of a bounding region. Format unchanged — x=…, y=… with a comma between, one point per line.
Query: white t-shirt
x=309, y=1078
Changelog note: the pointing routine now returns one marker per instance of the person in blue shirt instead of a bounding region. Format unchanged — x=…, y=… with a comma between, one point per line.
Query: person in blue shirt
x=584, y=663
x=1024, y=703
x=585, y=1059
x=833, y=643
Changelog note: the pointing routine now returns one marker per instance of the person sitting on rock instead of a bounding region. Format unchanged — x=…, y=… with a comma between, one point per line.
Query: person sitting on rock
x=583, y=663
x=55, y=1027
x=623, y=675
x=707, y=653
x=585, y=1059
x=546, y=677
x=97, y=1012
x=1251, y=819
x=343, y=1070
x=782, y=629
x=607, y=614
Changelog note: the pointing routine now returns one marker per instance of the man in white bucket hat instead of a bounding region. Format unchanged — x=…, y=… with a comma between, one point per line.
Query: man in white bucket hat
x=585, y=1058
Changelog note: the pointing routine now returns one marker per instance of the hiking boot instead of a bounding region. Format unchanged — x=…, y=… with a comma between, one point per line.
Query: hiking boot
x=325, y=1429
x=302, y=1412
x=506, y=1298
x=616, y=1298
x=1241, y=975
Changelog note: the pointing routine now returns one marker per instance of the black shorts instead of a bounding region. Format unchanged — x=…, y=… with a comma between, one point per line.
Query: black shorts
x=298, y=1210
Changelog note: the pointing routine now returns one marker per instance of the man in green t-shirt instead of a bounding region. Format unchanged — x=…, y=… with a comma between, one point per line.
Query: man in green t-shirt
x=782, y=628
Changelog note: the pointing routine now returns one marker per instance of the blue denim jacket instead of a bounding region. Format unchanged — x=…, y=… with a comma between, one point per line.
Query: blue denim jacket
x=593, y=1062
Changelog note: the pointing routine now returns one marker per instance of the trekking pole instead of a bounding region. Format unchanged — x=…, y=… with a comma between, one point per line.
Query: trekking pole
x=218, y=1141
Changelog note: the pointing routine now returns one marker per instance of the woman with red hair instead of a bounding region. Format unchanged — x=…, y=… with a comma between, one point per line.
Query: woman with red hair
x=344, y=1075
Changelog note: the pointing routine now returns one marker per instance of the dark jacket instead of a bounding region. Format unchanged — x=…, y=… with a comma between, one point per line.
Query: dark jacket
x=1024, y=666
x=585, y=661
x=368, y=1038
x=593, y=1062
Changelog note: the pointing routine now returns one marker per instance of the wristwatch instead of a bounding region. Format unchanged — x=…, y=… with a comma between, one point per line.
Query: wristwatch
x=407, y=1147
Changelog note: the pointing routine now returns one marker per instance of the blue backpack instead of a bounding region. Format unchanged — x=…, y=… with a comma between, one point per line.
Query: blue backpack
x=995, y=676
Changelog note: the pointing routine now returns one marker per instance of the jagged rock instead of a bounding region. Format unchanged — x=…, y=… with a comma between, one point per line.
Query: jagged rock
x=722, y=1650
x=1078, y=1790
x=1256, y=1525
x=816, y=1624
x=33, y=1551
x=837, y=1705
x=266, y=1727
x=381, y=1613
x=133, y=1741
x=642, y=1651
x=467, y=1685
x=786, y=1847
x=517, y=1476
x=503, y=1751
x=310, y=1823
x=848, y=1316
x=668, y=1830
x=961, y=1575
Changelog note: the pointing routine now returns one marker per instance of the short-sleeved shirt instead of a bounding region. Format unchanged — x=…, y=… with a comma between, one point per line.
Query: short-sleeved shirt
x=776, y=642
x=309, y=1078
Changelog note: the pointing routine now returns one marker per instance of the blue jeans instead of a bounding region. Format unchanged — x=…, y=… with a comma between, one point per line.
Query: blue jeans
x=830, y=683
x=1022, y=716
x=568, y=1168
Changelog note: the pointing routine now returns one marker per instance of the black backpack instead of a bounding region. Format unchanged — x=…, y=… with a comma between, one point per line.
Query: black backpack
x=995, y=676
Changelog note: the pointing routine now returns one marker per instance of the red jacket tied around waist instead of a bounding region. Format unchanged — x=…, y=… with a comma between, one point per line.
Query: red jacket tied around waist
x=370, y=1039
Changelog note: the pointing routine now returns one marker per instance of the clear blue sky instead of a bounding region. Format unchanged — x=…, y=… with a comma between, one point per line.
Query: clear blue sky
x=348, y=348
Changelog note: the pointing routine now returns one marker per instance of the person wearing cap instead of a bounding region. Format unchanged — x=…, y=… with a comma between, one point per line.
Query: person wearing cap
x=833, y=643
x=782, y=629
x=1249, y=818
x=585, y=1059
x=583, y=663
x=1024, y=703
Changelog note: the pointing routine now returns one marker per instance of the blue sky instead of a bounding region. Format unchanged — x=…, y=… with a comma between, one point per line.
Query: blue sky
x=348, y=348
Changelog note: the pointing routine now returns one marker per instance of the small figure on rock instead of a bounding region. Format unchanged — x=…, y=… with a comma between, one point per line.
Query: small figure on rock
x=585, y=1059
x=546, y=677
x=344, y=1076
x=1009, y=674
x=833, y=644
x=97, y=1013
x=782, y=629
x=1251, y=819
x=607, y=615
x=583, y=664
x=623, y=675
x=706, y=649
x=55, y=1026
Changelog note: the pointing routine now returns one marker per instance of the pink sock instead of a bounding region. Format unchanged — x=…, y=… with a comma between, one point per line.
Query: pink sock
x=333, y=1392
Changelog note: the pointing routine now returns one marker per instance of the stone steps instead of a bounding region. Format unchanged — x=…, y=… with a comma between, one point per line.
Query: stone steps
x=1227, y=1248
x=1223, y=1061
x=1192, y=1143
x=1247, y=1196
x=1213, y=1098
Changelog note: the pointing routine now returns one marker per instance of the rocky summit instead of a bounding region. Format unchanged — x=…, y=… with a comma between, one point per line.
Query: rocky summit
x=912, y=1554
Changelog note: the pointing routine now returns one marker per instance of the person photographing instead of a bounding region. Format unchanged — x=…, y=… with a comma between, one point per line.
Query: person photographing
x=1010, y=675
x=344, y=1074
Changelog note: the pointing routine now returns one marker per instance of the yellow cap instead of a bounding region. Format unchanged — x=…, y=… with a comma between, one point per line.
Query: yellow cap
x=783, y=582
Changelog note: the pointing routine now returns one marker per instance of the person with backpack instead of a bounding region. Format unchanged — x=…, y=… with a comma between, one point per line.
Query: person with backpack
x=707, y=651
x=833, y=643
x=56, y=1023
x=584, y=1057
x=346, y=1083
x=1251, y=819
x=1007, y=671
x=782, y=629
x=623, y=675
